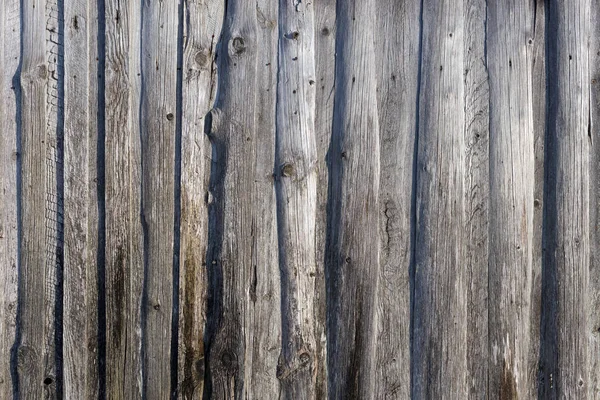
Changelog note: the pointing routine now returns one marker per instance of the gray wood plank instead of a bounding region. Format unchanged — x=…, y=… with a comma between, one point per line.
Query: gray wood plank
x=80, y=317
x=202, y=26
x=397, y=50
x=157, y=129
x=33, y=298
x=566, y=359
x=476, y=195
x=9, y=60
x=295, y=186
x=353, y=246
x=123, y=230
x=512, y=184
x=232, y=132
x=440, y=281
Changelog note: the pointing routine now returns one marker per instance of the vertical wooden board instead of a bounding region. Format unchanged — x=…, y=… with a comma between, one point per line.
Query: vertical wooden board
x=202, y=26
x=593, y=385
x=353, y=244
x=31, y=338
x=157, y=123
x=9, y=60
x=398, y=55
x=566, y=359
x=263, y=339
x=122, y=191
x=512, y=184
x=325, y=32
x=232, y=132
x=80, y=316
x=296, y=191
x=440, y=304
x=476, y=195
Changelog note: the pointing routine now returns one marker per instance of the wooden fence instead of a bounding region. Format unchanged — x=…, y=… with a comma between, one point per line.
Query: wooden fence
x=299, y=199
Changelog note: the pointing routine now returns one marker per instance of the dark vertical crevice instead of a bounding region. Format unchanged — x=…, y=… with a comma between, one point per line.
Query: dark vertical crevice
x=548, y=353
x=16, y=84
x=177, y=205
x=101, y=197
x=60, y=177
x=413, y=206
x=487, y=291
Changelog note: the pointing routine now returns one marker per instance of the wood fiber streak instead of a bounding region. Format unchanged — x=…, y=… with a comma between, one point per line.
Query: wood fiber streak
x=9, y=160
x=124, y=238
x=440, y=281
x=352, y=258
x=397, y=49
x=80, y=318
x=202, y=26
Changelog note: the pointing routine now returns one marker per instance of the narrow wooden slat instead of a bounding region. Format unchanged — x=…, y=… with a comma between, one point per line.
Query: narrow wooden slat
x=32, y=259
x=476, y=195
x=353, y=247
x=512, y=184
x=202, y=29
x=232, y=132
x=9, y=60
x=398, y=55
x=440, y=286
x=80, y=316
x=157, y=124
x=263, y=339
x=123, y=230
x=295, y=186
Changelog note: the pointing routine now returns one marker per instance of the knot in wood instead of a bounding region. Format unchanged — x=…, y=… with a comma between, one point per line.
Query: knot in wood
x=42, y=71
x=238, y=46
x=287, y=170
x=201, y=59
x=229, y=360
x=170, y=116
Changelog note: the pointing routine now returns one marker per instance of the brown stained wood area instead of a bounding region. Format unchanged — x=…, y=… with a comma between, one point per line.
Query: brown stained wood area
x=333, y=199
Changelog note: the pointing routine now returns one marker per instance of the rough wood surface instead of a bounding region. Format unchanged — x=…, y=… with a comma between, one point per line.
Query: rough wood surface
x=80, y=316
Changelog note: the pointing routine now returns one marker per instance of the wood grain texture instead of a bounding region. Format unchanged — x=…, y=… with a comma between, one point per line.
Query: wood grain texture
x=202, y=26
x=33, y=297
x=80, y=317
x=352, y=255
x=398, y=52
x=440, y=282
x=512, y=184
x=122, y=190
x=9, y=161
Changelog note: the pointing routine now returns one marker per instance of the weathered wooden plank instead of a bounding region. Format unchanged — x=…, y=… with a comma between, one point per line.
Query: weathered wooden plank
x=440, y=287
x=476, y=195
x=565, y=359
x=397, y=41
x=295, y=186
x=122, y=190
x=325, y=32
x=157, y=124
x=9, y=60
x=80, y=318
x=512, y=184
x=232, y=131
x=32, y=330
x=353, y=248
x=202, y=26
x=263, y=339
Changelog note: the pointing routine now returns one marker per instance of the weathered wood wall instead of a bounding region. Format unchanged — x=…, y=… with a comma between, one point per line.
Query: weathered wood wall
x=383, y=199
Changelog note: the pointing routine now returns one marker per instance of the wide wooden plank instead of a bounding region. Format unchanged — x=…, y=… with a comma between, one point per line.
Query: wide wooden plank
x=201, y=32
x=352, y=255
x=512, y=183
x=80, y=317
x=565, y=358
x=295, y=186
x=9, y=159
x=397, y=51
x=33, y=298
x=232, y=131
x=476, y=195
x=121, y=153
x=440, y=281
